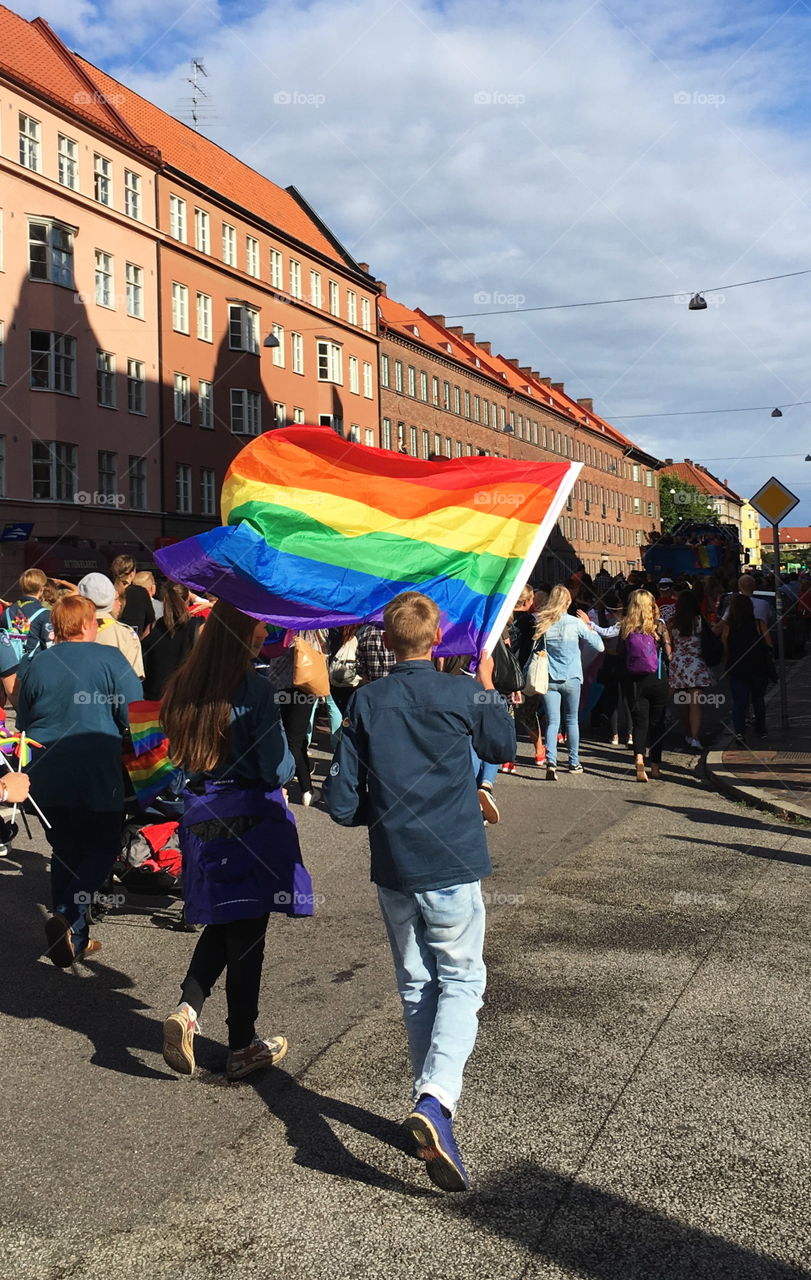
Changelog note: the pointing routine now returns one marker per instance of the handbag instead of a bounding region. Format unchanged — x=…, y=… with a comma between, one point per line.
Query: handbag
x=309, y=669
x=507, y=674
x=712, y=649
x=536, y=672
x=343, y=670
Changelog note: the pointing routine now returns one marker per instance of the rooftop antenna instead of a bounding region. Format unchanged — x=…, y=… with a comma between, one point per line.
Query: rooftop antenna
x=196, y=106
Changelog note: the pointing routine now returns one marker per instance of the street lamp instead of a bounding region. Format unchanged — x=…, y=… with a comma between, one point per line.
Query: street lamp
x=271, y=341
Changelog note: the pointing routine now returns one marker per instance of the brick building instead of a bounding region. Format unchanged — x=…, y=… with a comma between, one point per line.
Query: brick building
x=444, y=391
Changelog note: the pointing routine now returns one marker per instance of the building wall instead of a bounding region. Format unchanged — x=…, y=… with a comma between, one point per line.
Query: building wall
x=750, y=534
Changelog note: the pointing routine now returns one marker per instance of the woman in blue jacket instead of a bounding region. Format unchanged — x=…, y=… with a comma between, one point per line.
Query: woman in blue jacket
x=561, y=635
x=240, y=848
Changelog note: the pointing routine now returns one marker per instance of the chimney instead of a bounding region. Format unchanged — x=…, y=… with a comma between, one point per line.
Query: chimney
x=689, y=461
x=469, y=337
x=440, y=320
x=587, y=403
x=558, y=386
x=486, y=347
x=456, y=330
x=547, y=382
x=512, y=360
x=381, y=285
x=525, y=371
x=364, y=266
x=668, y=462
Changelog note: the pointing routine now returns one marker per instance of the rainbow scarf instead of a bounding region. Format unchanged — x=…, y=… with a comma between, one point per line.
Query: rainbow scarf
x=321, y=532
x=145, y=727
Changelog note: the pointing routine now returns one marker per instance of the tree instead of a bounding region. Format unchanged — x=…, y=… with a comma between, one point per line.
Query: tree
x=679, y=501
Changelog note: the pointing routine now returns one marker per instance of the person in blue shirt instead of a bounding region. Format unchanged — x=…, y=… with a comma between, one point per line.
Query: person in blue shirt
x=73, y=699
x=241, y=857
x=25, y=629
x=402, y=768
x=562, y=635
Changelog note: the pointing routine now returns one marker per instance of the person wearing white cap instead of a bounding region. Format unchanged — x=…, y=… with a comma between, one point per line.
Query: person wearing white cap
x=98, y=588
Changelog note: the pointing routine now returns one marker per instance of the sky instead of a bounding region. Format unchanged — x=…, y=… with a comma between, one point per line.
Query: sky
x=488, y=156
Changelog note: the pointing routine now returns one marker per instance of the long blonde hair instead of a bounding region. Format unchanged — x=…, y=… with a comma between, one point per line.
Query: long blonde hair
x=559, y=600
x=642, y=614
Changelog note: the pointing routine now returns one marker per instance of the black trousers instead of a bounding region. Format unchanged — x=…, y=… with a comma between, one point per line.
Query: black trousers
x=649, y=696
x=239, y=948
x=296, y=720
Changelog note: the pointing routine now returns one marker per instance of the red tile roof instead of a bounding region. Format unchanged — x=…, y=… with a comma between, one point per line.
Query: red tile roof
x=788, y=533
x=701, y=479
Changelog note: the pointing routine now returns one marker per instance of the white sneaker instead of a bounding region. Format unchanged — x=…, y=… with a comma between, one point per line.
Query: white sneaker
x=309, y=797
x=3, y=850
x=179, y=1031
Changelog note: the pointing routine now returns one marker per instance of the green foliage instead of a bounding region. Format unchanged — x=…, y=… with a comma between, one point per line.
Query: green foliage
x=681, y=501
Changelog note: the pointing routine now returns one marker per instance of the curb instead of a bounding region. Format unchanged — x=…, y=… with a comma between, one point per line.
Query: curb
x=728, y=783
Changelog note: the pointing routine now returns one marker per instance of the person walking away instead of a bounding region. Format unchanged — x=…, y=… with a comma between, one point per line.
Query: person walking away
x=238, y=839
x=137, y=611
x=296, y=708
x=522, y=640
x=374, y=660
x=146, y=580
x=689, y=673
x=98, y=588
x=402, y=768
x=25, y=629
x=170, y=641
x=747, y=650
x=605, y=619
x=561, y=634
x=644, y=645
x=74, y=700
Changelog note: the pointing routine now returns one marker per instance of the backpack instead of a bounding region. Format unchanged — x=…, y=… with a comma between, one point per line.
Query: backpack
x=507, y=674
x=343, y=669
x=641, y=654
x=17, y=627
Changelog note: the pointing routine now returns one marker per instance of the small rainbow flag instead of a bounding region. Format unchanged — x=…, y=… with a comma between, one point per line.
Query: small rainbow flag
x=12, y=744
x=145, y=728
x=320, y=532
x=150, y=772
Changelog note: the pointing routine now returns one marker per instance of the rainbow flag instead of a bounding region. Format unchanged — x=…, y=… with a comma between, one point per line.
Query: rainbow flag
x=145, y=727
x=150, y=772
x=320, y=532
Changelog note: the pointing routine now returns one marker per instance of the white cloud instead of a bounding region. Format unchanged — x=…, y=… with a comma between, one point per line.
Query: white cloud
x=561, y=152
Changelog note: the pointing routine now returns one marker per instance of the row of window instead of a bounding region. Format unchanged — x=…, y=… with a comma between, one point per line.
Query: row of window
x=67, y=166
x=421, y=444
x=179, y=230
x=55, y=475
x=606, y=534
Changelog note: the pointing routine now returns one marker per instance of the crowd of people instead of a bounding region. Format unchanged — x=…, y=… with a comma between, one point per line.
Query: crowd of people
x=417, y=741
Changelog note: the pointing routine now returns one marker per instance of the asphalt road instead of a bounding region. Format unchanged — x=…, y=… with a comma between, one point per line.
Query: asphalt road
x=636, y=1106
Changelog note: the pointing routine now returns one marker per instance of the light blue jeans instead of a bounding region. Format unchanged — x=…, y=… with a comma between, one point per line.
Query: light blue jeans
x=483, y=771
x=335, y=721
x=436, y=941
x=567, y=693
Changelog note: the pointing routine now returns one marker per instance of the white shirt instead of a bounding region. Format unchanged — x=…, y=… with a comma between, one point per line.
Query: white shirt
x=760, y=608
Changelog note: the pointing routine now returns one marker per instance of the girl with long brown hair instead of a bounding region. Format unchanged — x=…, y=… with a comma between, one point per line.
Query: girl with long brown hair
x=170, y=641
x=240, y=849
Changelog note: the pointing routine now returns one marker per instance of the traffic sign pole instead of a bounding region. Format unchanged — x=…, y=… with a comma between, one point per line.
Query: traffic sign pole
x=781, y=643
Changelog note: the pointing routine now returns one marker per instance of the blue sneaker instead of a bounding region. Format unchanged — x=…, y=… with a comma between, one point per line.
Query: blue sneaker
x=432, y=1130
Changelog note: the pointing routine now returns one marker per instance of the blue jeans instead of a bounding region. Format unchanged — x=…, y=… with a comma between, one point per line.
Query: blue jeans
x=483, y=772
x=567, y=694
x=335, y=722
x=436, y=941
x=742, y=689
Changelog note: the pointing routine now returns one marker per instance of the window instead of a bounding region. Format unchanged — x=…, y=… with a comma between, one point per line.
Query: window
x=467, y=404
x=183, y=488
x=243, y=329
x=279, y=414
x=354, y=381
x=412, y=441
x=435, y=391
x=103, y=179
x=297, y=352
x=132, y=194
x=334, y=299
x=182, y=398
x=365, y=315
x=30, y=143
x=202, y=231
x=651, y=509
x=367, y=380
x=104, y=279
x=534, y=433
x=50, y=253
x=426, y=444
x=446, y=395
x=205, y=403
x=105, y=379
x=108, y=467
x=486, y=413
x=477, y=409
x=204, y=317
x=384, y=371
x=448, y=447
x=53, y=362
x=177, y=218
x=635, y=472
x=369, y=437
x=208, y=491
x=315, y=289
x=385, y=434
x=276, y=269
x=637, y=506
x=245, y=412
x=330, y=362
x=135, y=290
x=398, y=375
x=180, y=308
x=2, y=466
x=298, y=415
x=649, y=478
x=351, y=306
x=229, y=245
x=67, y=163
x=252, y=255
x=54, y=470
x=295, y=278
x=457, y=400
x=137, y=473
x=278, y=352
x=437, y=443
x=136, y=387
x=2, y=364
x=412, y=381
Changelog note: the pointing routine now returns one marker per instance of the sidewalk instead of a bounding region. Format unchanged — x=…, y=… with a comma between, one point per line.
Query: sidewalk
x=779, y=776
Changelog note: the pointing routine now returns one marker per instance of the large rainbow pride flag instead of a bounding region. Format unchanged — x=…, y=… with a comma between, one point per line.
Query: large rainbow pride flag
x=319, y=532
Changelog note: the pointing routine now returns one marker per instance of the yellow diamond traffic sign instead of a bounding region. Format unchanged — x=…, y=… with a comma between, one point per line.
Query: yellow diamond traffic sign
x=774, y=501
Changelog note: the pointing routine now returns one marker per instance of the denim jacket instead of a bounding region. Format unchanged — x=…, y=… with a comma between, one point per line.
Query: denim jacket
x=563, y=647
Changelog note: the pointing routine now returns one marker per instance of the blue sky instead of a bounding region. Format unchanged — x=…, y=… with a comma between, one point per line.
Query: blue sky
x=556, y=153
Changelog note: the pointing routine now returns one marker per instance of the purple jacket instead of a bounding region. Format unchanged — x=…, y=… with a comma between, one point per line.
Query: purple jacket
x=241, y=855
